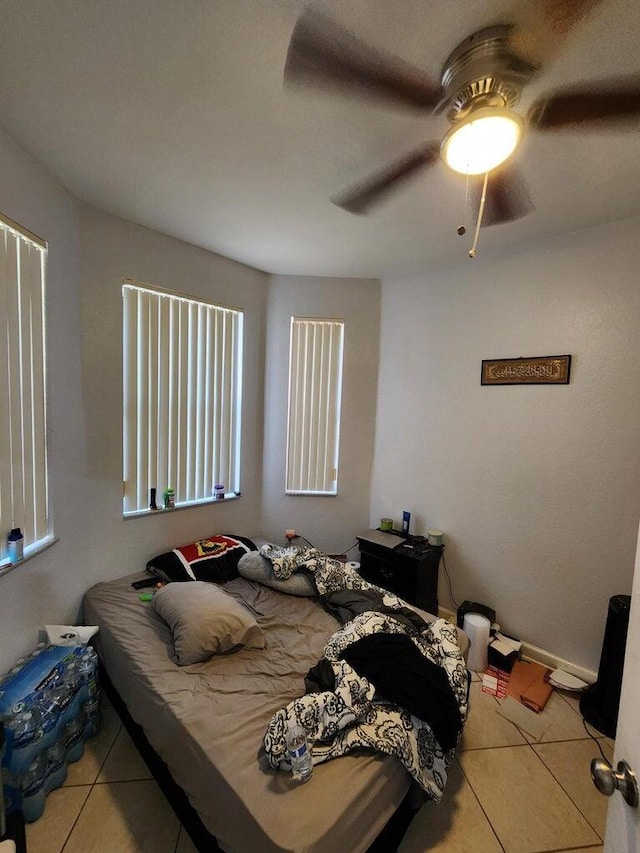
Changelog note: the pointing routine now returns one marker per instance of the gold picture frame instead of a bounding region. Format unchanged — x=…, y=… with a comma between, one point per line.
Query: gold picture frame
x=537, y=370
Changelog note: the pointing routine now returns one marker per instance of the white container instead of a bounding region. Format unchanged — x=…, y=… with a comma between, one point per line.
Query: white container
x=477, y=628
x=434, y=537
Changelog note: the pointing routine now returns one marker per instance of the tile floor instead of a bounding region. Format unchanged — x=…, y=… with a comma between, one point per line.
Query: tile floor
x=506, y=793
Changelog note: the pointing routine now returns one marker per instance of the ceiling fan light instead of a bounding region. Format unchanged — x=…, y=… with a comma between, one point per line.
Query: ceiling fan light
x=482, y=141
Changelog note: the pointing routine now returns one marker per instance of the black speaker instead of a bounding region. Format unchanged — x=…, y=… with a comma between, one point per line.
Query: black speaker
x=600, y=702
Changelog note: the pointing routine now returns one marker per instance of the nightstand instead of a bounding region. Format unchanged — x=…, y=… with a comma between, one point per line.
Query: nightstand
x=403, y=565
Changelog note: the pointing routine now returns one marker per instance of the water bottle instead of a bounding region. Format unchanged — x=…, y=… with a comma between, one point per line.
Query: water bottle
x=38, y=650
x=88, y=674
x=299, y=753
x=26, y=734
x=15, y=545
x=56, y=765
x=34, y=791
x=92, y=715
x=48, y=703
x=73, y=683
x=74, y=740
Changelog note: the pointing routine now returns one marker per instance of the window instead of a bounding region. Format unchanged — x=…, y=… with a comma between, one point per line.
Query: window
x=315, y=391
x=23, y=453
x=182, y=363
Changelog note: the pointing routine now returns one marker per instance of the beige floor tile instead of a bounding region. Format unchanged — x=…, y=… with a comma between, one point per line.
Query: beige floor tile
x=571, y=697
x=564, y=722
x=527, y=808
x=570, y=763
x=124, y=763
x=449, y=826
x=96, y=749
x=125, y=817
x=485, y=727
x=584, y=850
x=185, y=844
x=49, y=833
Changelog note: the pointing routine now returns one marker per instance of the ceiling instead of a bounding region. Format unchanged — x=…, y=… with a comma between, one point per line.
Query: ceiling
x=173, y=114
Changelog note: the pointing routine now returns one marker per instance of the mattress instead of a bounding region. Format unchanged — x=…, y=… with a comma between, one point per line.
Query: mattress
x=207, y=722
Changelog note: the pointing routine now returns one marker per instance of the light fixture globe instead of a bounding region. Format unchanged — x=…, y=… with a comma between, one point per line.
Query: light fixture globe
x=481, y=141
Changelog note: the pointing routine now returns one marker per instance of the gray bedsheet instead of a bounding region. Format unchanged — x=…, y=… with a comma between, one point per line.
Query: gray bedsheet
x=207, y=722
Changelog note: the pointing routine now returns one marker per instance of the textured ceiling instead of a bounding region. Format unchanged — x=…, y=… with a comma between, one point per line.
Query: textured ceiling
x=172, y=114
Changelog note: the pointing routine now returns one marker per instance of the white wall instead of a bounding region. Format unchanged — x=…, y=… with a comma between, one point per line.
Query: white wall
x=90, y=252
x=111, y=250
x=47, y=588
x=330, y=523
x=536, y=487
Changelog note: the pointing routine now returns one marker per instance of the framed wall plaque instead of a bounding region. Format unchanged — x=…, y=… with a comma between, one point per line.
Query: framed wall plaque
x=539, y=370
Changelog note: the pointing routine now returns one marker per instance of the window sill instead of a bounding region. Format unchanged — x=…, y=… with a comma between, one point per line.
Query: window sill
x=30, y=552
x=149, y=513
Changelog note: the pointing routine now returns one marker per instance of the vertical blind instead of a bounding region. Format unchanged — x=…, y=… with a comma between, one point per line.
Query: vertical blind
x=23, y=454
x=315, y=391
x=182, y=362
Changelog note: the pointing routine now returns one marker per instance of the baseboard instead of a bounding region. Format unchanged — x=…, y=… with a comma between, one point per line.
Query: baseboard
x=534, y=653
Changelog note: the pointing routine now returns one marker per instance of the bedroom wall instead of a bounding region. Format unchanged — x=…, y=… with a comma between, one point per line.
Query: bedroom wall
x=111, y=250
x=330, y=523
x=536, y=487
x=89, y=254
x=45, y=589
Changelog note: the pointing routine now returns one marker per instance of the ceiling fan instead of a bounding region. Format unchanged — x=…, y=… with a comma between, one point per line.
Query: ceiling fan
x=481, y=82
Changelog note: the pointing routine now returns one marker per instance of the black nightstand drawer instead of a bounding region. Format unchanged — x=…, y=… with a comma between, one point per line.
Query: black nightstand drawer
x=411, y=573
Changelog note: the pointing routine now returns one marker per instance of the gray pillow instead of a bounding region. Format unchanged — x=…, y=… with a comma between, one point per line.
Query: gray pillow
x=205, y=621
x=254, y=567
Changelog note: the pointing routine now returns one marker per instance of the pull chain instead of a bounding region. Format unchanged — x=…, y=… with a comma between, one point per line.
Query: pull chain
x=473, y=250
x=461, y=229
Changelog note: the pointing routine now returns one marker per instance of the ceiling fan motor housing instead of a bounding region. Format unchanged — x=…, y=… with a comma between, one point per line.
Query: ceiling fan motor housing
x=483, y=71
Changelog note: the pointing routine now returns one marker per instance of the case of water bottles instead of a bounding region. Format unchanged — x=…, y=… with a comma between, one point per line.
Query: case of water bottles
x=50, y=705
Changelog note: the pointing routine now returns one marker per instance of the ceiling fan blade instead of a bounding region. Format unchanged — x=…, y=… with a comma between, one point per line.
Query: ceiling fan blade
x=610, y=104
x=507, y=198
x=363, y=195
x=322, y=53
x=543, y=26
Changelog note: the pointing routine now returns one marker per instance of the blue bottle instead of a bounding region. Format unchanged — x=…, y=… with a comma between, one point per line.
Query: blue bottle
x=49, y=710
x=88, y=674
x=56, y=765
x=15, y=545
x=34, y=791
x=74, y=740
x=24, y=736
x=92, y=716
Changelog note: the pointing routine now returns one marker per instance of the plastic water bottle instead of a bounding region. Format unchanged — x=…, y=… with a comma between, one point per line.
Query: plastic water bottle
x=299, y=753
x=88, y=675
x=15, y=545
x=48, y=703
x=56, y=765
x=34, y=791
x=73, y=734
x=92, y=715
x=26, y=732
x=73, y=683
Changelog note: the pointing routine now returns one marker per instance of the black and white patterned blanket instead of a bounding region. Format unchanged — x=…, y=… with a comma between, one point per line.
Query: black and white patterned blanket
x=351, y=716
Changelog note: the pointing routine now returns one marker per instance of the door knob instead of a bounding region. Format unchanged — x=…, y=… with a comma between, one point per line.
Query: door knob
x=607, y=781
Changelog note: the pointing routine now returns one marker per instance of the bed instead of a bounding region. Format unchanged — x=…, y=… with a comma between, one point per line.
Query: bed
x=207, y=721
